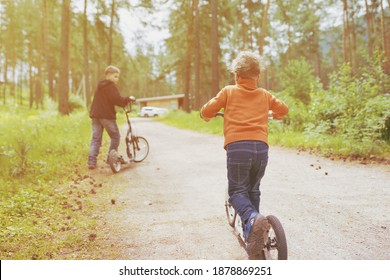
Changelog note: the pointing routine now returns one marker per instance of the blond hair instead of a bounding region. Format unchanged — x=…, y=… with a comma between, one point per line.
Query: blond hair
x=247, y=65
x=111, y=70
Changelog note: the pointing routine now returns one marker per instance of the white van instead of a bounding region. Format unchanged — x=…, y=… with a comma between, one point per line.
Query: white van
x=152, y=112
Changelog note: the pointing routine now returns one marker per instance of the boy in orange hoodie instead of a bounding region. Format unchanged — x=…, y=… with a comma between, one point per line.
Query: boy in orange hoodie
x=246, y=110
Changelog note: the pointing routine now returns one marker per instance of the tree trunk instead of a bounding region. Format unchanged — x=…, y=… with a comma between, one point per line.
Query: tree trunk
x=287, y=20
x=86, y=58
x=263, y=32
x=214, y=48
x=39, y=92
x=30, y=76
x=197, y=54
x=19, y=85
x=368, y=28
x=346, y=35
x=384, y=41
x=5, y=78
x=355, y=61
x=333, y=55
x=49, y=68
x=264, y=27
x=187, y=75
x=11, y=42
x=375, y=26
x=111, y=32
x=63, y=105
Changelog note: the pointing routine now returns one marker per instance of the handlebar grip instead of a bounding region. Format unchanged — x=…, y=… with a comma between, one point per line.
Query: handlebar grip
x=220, y=114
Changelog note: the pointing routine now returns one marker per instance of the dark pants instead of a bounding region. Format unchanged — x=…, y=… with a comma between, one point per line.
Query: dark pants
x=246, y=163
x=98, y=125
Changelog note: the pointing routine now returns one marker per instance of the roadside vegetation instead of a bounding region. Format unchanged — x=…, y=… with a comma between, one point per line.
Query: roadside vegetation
x=46, y=209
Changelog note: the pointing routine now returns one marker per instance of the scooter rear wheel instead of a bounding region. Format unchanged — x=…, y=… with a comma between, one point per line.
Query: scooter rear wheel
x=230, y=213
x=114, y=161
x=276, y=244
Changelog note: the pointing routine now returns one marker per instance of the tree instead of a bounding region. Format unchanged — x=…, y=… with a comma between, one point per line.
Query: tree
x=264, y=27
x=301, y=30
x=384, y=41
x=86, y=57
x=262, y=38
x=195, y=6
x=347, y=40
x=114, y=8
x=47, y=50
x=354, y=61
x=111, y=32
x=214, y=47
x=368, y=29
x=9, y=20
x=188, y=59
x=63, y=106
x=285, y=12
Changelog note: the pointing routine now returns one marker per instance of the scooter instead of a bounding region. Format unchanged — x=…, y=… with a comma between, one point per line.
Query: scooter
x=137, y=147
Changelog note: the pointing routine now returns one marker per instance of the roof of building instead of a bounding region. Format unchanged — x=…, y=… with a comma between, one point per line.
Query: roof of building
x=174, y=96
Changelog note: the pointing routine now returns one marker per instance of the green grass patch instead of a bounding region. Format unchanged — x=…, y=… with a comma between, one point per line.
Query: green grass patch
x=46, y=205
x=193, y=121
x=37, y=146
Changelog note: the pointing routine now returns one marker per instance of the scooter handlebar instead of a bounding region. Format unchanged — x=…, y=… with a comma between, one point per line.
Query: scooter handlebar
x=132, y=99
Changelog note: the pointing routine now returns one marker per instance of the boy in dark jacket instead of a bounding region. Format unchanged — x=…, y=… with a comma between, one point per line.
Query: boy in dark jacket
x=103, y=113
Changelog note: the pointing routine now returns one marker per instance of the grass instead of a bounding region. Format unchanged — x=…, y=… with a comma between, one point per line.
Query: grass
x=335, y=146
x=47, y=208
x=192, y=121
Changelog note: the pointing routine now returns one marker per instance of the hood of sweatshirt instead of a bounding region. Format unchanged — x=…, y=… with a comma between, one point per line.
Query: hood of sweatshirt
x=247, y=83
x=104, y=83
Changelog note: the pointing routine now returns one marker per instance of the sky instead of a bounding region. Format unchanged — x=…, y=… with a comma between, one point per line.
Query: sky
x=131, y=26
x=133, y=29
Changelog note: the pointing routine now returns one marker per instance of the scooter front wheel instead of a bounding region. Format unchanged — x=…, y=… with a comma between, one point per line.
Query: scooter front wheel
x=114, y=161
x=141, y=148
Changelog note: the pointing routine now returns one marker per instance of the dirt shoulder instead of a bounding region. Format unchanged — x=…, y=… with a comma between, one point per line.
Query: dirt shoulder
x=171, y=206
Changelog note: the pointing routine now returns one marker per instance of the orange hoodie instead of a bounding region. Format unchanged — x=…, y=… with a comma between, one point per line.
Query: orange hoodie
x=246, y=110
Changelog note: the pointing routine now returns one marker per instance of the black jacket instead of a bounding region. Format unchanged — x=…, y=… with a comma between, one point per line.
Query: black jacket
x=106, y=97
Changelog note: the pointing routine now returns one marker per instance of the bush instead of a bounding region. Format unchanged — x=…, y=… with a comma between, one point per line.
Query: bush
x=297, y=79
x=386, y=130
x=75, y=103
x=352, y=106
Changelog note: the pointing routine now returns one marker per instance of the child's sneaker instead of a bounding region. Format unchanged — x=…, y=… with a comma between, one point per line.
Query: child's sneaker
x=247, y=226
x=91, y=166
x=256, y=228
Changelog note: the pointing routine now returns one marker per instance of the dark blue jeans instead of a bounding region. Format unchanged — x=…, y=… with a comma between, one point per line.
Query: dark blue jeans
x=246, y=163
x=98, y=125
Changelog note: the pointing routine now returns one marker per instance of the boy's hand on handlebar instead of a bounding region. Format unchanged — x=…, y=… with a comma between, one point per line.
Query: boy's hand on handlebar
x=131, y=98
